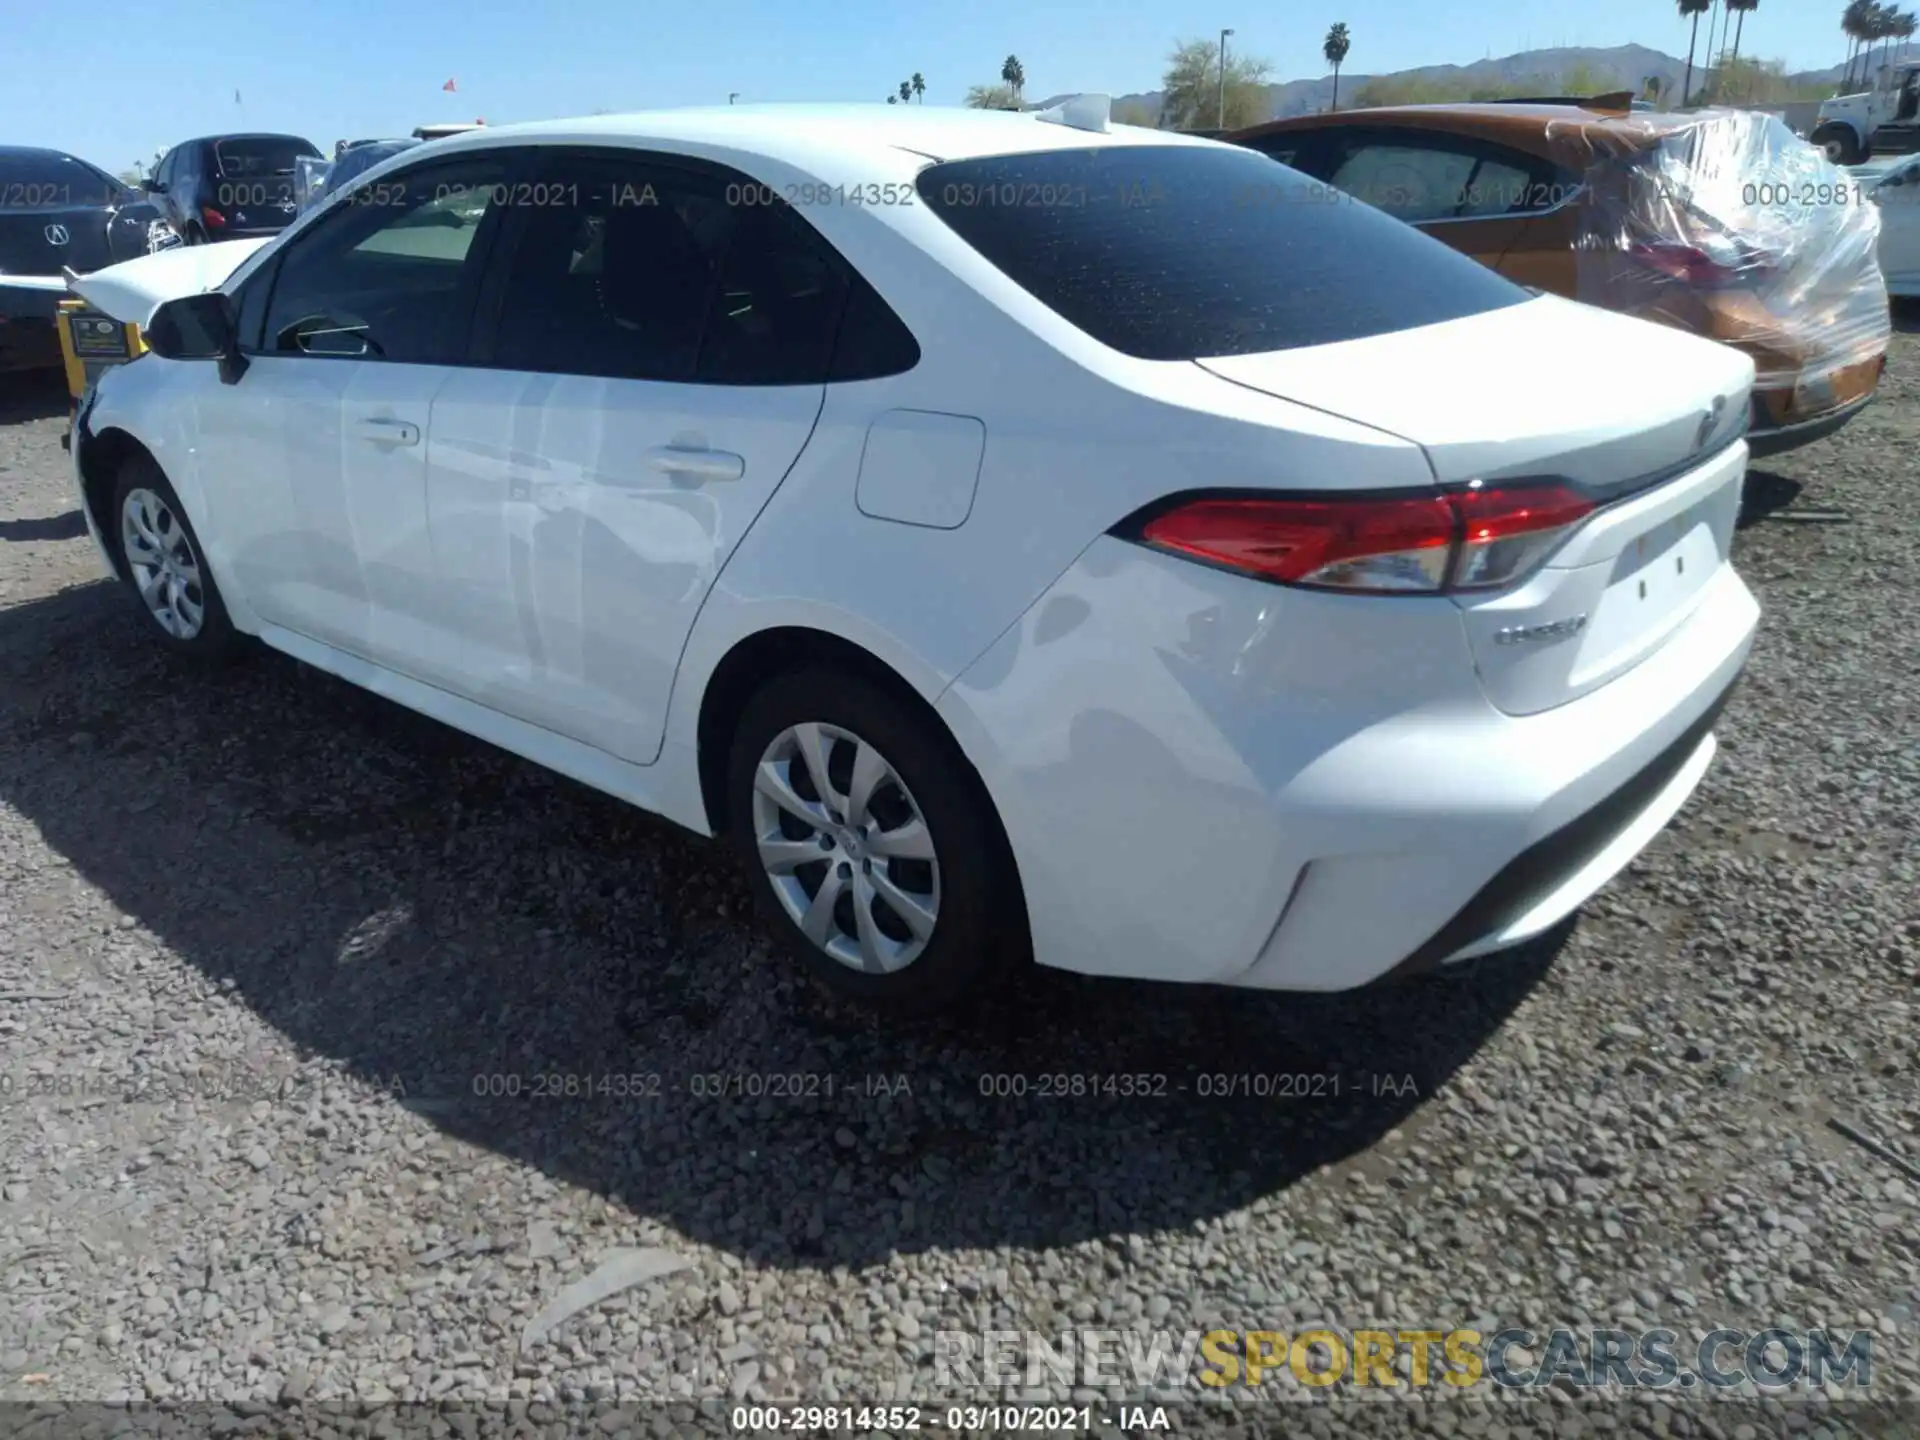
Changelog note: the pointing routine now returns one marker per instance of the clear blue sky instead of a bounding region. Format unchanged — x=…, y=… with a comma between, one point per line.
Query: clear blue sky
x=371, y=68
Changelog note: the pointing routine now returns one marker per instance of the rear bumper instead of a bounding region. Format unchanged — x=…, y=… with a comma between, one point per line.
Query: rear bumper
x=1550, y=879
x=1767, y=439
x=29, y=344
x=22, y=302
x=1205, y=778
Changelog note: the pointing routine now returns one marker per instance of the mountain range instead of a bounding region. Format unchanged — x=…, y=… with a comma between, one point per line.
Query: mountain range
x=1630, y=65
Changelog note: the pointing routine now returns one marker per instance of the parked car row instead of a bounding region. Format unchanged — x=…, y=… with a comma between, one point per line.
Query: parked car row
x=1017, y=543
x=60, y=213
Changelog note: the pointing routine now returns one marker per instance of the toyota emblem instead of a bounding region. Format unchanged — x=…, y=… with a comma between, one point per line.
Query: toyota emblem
x=57, y=235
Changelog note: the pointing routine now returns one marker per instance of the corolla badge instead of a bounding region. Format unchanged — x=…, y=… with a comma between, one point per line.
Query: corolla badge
x=1709, y=422
x=57, y=234
x=1529, y=634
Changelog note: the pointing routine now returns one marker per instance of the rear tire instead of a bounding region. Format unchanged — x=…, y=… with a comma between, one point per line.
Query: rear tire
x=1841, y=145
x=870, y=844
x=165, y=568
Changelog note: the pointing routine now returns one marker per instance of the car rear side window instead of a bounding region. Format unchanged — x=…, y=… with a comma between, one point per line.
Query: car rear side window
x=251, y=158
x=1176, y=252
x=49, y=181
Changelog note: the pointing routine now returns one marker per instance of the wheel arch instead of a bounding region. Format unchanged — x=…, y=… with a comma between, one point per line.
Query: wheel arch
x=757, y=658
x=99, y=459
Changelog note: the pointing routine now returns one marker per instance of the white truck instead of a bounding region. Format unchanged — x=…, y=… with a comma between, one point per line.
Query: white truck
x=1882, y=121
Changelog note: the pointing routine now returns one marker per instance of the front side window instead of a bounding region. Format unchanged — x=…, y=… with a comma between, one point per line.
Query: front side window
x=643, y=271
x=391, y=273
x=1177, y=252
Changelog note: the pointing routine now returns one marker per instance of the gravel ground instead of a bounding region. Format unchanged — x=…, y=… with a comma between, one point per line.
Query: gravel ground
x=265, y=938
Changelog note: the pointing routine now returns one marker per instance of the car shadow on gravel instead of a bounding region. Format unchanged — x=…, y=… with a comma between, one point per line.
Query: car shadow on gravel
x=417, y=912
x=1766, y=493
x=70, y=526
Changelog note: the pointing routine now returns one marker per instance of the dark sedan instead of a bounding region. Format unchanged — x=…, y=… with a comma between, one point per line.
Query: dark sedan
x=57, y=213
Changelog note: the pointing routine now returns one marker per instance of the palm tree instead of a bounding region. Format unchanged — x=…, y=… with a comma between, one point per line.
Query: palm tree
x=920, y=85
x=1713, y=24
x=1854, y=24
x=1335, y=48
x=1015, y=76
x=1903, y=30
x=1693, y=9
x=1740, y=7
x=906, y=91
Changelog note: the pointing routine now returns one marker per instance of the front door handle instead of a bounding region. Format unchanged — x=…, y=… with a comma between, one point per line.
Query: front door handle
x=676, y=460
x=387, y=432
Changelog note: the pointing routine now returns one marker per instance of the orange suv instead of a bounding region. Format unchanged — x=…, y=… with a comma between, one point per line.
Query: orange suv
x=1723, y=223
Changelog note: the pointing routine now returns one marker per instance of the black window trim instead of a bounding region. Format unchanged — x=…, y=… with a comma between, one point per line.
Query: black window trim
x=548, y=160
x=459, y=346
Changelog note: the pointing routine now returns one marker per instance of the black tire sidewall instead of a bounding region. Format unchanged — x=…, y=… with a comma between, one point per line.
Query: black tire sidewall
x=217, y=639
x=973, y=945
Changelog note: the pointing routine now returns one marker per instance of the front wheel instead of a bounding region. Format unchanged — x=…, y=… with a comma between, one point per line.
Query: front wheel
x=1841, y=144
x=870, y=845
x=165, y=566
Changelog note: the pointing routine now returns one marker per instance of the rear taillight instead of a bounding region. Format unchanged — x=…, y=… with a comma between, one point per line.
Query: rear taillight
x=1478, y=537
x=213, y=217
x=1691, y=265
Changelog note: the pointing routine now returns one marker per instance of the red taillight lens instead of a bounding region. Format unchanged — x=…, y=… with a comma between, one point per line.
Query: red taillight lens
x=1476, y=538
x=212, y=216
x=1691, y=265
x=1506, y=531
x=1390, y=544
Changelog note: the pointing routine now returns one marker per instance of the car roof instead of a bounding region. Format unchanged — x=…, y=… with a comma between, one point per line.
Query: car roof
x=797, y=132
x=1491, y=118
x=1566, y=134
x=38, y=152
x=247, y=135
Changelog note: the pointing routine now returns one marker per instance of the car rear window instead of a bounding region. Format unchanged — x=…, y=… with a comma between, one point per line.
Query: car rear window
x=255, y=159
x=1175, y=252
x=39, y=182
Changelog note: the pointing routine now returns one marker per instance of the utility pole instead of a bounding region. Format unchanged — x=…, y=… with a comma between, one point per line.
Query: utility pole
x=1222, y=122
x=732, y=96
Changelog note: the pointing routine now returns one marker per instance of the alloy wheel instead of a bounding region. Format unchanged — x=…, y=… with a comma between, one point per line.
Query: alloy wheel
x=165, y=569
x=846, y=847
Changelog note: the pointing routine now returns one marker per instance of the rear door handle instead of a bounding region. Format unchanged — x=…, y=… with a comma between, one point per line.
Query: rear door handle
x=698, y=464
x=387, y=432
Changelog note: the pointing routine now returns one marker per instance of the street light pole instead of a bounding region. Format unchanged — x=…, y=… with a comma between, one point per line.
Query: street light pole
x=1222, y=124
x=732, y=96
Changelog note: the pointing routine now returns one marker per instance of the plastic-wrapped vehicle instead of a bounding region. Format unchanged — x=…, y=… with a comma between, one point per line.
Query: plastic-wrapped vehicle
x=1721, y=222
x=355, y=160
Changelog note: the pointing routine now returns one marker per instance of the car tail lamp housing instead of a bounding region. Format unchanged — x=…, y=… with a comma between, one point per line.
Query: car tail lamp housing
x=1475, y=537
x=1717, y=267
x=215, y=220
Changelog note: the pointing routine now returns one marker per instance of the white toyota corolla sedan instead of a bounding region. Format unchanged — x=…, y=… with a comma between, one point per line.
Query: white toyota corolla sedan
x=1019, y=536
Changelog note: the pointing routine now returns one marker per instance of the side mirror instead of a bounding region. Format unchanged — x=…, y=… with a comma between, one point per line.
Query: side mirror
x=198, y=327
x=153, y=186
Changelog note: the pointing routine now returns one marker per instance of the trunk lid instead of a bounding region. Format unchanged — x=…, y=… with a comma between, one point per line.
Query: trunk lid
x=134, y=289
x=45, y=241
x=1637, y=416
